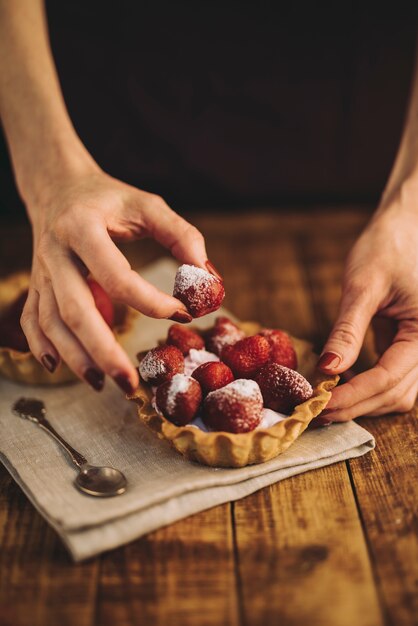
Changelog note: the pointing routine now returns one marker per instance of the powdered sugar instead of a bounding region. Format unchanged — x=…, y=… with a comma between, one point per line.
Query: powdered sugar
x=270, y=418
x=240, y=389
x=178, y=384
x=152, y=366
x=196, y=358
x=190, y=275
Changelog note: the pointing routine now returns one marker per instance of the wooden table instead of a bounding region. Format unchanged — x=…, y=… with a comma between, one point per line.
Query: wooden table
x=335, y=546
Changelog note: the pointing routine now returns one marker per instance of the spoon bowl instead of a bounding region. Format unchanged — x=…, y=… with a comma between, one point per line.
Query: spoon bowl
x=101, y=481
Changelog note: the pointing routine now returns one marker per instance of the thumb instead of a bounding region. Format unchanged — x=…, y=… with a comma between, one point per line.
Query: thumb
x=346, y=338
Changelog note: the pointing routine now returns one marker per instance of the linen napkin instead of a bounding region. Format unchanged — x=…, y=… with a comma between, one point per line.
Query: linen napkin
x=163, y=487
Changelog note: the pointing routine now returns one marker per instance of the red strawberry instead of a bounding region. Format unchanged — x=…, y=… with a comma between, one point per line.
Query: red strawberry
x=160, y=364
x=247, y=356
x=179, y=399
x=282, y=387
x=102, y=301
x=282, y=350
x=184, y=339
x=199, y=291
x=224, y=333
x=235, y=408
x=213, y=375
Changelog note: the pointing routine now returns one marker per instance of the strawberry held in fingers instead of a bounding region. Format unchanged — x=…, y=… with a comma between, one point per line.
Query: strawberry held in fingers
x=213, y=375
x=282, y=388
x=235, y=408
x=184, y=339
x=198, y=290
x=160, y=364
x=224, y=333
x=247, y=356
x=179, y=399
x=282, y=350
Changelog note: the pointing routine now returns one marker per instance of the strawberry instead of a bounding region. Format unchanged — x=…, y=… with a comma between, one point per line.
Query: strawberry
x=161, y=364
x=235, y=408
x=224, y=333
x=102, y=301
x=247, y=356
x=198, y=290
x=179, y=399
x=184, y=339
x=213, y=375
x=282, y=350
x=282, y=387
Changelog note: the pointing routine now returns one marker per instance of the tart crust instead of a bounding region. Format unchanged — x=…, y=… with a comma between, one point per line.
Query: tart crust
x=223, y=449
x=22, y=367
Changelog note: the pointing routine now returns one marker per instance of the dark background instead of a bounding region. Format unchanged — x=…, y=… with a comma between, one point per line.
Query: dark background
x=235, y=104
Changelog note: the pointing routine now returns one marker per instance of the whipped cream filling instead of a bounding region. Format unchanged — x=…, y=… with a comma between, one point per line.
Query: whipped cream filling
x=191, y=362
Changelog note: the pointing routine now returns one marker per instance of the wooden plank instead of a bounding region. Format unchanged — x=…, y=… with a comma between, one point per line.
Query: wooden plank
x=182, y=574
x=302, y=555
x=39, y=585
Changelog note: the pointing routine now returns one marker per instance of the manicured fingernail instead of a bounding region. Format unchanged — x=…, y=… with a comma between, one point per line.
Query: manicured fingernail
x=124, y=383
x=319, y=422
x=49, y=363
x=212, y=270
x=329, y=361
x=182, y=317
x=95, y=378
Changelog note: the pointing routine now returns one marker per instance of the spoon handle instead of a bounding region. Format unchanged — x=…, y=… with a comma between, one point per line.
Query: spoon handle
x=77, y=458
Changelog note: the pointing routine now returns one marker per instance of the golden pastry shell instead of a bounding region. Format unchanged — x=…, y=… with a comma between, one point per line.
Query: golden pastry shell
x=22, y=367
x=223, y=449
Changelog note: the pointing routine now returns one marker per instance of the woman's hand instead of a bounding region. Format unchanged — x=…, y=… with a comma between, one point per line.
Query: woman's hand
x=380, y=285
x=75, y=219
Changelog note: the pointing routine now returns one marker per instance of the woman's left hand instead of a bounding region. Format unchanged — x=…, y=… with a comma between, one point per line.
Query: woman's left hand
x=380, y=286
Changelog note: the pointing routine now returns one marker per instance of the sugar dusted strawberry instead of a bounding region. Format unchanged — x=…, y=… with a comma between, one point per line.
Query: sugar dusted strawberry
x=224, y=333
x=213, y=376
x=247, y=356
x=160, y=364
x=199, y=291
x=184, y=339
x=282, y=388
x=179, y=399
x=282, y=350
x=235, y=408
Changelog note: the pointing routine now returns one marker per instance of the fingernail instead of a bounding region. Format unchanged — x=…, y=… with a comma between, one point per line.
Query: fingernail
x=182, y=317
x=49, y=363
x=95, y=378
x=319, y=422
x=212, y=269
x=124, y=383
x=329, y=361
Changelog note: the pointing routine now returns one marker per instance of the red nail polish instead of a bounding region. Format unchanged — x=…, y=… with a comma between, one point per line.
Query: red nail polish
x=319, y=422
x=182, y=317
x=212, y=270
x=95, y=378
x=49, y=363
x=329, y=361
x=124, y=383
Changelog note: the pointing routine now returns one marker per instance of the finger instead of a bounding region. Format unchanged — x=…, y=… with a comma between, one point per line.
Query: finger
x=40, y=346
x=78, y=311
x=111, y=269
x=344, y=343
x=67, y=345
x=393, y=366
x=184, y=241
x=399, y=398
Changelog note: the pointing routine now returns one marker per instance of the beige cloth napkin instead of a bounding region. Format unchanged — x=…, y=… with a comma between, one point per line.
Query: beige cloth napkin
x=163, y=487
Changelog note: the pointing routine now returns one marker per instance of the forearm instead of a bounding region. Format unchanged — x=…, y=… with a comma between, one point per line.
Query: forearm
x=405, y=168
x=36, y=123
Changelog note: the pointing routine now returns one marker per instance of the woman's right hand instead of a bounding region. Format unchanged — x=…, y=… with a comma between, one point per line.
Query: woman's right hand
x=75, y=220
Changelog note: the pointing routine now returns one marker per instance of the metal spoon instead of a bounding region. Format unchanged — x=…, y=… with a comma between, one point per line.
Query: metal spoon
x=96, y=481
